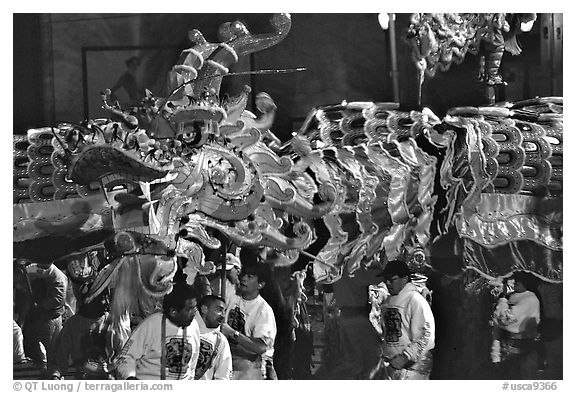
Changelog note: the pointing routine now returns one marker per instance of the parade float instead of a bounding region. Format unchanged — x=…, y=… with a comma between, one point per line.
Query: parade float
x=128, y=201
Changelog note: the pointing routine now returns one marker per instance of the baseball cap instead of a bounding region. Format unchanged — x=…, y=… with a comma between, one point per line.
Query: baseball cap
x=231, y=262
x=395, y=268
x=523, y=276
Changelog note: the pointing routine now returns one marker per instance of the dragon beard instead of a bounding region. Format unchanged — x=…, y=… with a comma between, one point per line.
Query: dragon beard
x=141, y=282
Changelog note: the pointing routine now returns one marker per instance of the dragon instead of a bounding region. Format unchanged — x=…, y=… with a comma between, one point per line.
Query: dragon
x=156, y=176
x=352, y=189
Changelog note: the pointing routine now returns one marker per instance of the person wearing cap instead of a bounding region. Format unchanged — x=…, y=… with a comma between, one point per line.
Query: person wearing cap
x=165, y=345
x=48, y=284
x=517, y=316
x=250, y=325
x=233, y=268
x=408, y=326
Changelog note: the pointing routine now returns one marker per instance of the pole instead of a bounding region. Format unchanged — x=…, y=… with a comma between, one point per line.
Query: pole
x=223, y=249
x=393, y=57
x=409, y=75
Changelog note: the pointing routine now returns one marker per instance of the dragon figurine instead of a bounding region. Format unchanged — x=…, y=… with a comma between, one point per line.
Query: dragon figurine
x=438, y=40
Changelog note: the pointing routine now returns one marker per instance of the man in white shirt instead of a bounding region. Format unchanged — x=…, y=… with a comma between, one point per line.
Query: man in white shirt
x=408, y=325
x=215, y=359
x=165, y=345
x=250, y=325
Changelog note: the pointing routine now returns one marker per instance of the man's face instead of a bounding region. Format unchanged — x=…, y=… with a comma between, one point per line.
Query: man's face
x=249, y=286
x=213, y=314
x=185, y=316
x=97, y=306
x=395, y=284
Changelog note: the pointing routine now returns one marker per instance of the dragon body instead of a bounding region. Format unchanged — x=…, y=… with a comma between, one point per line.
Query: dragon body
x=353, y=184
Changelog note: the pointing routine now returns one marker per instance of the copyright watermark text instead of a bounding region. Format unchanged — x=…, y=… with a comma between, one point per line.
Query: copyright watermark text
x=541, y=385
x=82, y=386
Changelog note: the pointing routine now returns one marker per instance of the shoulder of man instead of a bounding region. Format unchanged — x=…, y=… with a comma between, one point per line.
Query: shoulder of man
x=223, y=344
x=194, y=326
x=264, y=307
x=263, y=302
x=532, y=298
x=415, y=298
x=152, y=321
x=193, y=331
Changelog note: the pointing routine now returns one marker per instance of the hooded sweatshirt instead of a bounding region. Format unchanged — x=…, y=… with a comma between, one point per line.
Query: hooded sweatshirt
x=217, y=361
x=409, y=328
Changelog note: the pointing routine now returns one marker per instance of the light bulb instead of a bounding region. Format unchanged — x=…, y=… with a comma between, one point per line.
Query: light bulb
x=384, y=20
x=526, y=26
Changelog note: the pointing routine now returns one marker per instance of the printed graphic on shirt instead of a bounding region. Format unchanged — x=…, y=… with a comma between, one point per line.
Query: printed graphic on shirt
x=237, y=319
x=178, y=355
x=393, y=324
x=204, y=358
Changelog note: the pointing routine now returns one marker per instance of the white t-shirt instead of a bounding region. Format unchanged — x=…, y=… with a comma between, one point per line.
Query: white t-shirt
x=141, y=355
x=254, y=318
x=221, y=367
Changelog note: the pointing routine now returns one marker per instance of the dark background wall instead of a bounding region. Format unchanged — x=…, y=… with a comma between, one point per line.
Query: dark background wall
x=537, y=71
x=63, y=61
x=345, y=57
x=28, y=88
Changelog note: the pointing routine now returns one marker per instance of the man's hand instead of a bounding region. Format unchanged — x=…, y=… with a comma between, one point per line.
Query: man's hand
x=399, y=361
x=227, y=330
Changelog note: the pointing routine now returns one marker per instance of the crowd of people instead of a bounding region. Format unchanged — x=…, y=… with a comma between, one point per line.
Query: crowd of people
x=198, y=334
